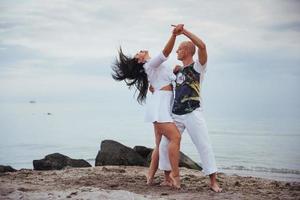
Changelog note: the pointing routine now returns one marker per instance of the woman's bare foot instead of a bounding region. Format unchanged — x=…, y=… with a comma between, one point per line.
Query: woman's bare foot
x=215, y=187
x=150, y=180
x=175, y=181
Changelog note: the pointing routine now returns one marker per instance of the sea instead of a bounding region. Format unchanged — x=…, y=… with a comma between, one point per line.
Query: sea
x=32, y=128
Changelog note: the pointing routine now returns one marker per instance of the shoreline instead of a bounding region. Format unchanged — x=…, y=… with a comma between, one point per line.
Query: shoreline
x=270, y=175
x=90, y=182
x=273, y=176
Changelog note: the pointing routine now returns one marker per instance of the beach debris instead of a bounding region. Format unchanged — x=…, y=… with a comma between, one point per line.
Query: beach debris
x=237, y=184
x=115, y=170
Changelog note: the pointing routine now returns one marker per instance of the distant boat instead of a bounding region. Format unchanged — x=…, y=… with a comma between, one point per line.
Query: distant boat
x=32, y=101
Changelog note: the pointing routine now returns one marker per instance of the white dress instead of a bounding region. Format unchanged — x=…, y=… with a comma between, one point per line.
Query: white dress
x=159, y=103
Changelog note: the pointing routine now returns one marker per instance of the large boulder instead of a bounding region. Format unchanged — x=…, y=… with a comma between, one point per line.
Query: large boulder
x=115, y=153
x=6, y=168
x=187, y=162
x=143, y=151
x=58, y=161
x=184, y=160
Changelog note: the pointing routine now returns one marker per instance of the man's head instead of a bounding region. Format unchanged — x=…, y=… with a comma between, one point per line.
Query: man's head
x=185, y=50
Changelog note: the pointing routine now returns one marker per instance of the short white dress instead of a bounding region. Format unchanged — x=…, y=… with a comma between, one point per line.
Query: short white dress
x=159, y=103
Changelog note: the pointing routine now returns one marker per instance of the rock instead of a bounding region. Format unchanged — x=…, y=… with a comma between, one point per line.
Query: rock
x=187, y=162
x=237, y=184
x=184, y=161
x=6, y=168
x=114, y=153
x=58, y=161
x=143, y=151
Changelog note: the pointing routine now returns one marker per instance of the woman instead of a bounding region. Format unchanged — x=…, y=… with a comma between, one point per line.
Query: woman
x=141, y=70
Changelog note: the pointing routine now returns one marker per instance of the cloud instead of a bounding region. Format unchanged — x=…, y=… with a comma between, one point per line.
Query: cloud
x=67, y=47
x=75, y=29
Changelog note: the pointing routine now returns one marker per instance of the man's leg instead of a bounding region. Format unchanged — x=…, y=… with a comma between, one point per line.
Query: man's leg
x=197, y=129
x=164, y=162
x=168, y=180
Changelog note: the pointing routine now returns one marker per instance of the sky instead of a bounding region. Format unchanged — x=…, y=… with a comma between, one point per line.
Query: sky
x=62, y=51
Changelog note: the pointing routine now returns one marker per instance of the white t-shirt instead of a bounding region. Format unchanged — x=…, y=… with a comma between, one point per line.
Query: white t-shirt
x=200, y=69
x=159, y=75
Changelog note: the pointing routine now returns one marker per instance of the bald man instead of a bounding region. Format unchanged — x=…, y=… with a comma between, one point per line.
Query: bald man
x=187, y=109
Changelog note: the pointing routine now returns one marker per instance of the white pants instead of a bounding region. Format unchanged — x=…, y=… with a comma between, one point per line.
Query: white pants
x=196, y=127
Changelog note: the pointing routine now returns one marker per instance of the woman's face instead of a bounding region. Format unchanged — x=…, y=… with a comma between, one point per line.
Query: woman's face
x=142, y=56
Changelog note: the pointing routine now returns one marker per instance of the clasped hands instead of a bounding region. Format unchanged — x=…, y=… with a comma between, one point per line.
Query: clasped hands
x=178, y=29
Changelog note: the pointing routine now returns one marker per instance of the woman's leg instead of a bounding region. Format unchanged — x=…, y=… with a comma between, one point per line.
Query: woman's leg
x=154, y=157
x=170, y=131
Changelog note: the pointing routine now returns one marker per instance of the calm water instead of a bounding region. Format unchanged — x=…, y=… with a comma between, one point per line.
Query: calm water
x=264, y=148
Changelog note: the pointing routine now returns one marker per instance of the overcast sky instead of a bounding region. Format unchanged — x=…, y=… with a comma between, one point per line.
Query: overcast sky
x=63, y=50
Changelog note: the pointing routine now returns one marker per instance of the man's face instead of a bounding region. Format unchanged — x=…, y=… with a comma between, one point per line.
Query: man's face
x=181, y=52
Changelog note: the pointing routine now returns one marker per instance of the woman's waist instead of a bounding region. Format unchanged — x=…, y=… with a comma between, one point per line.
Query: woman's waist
x=162, y=87
x=168, y=87
x=161, y=95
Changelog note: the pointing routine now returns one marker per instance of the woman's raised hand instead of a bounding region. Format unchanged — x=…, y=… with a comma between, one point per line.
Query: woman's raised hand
x=178, y=29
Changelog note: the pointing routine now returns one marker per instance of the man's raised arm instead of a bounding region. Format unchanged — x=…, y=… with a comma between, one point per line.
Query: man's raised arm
x=202, y=53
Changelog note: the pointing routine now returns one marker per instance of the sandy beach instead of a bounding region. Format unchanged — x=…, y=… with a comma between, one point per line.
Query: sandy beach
x=123, y=182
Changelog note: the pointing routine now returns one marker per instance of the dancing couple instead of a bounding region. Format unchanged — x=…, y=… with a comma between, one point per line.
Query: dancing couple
x=171, y=114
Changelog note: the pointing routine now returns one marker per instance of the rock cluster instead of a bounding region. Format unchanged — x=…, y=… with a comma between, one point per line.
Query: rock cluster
x=115, y=153
x=110, y=153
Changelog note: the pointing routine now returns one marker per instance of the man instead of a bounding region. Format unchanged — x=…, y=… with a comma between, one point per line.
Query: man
x=187, y=108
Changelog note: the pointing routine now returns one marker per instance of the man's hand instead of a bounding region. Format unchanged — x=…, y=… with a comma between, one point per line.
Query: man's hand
x=151, y=88
x=176, y=69
x=178, y=29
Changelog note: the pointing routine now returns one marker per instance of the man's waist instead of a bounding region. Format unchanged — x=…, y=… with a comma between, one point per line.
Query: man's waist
x=181, y=108
x=180, y=115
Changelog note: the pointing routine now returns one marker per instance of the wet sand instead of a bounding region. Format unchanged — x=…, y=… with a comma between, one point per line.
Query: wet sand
x=123, y=182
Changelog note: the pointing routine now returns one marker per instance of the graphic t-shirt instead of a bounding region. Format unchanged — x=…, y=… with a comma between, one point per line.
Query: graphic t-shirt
x=187, y=89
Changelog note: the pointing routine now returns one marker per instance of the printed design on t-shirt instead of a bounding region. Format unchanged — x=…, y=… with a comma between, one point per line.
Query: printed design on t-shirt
x=180, y=78
x=187, y=91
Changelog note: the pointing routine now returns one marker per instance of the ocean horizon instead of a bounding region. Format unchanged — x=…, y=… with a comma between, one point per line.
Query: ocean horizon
x=248, y=147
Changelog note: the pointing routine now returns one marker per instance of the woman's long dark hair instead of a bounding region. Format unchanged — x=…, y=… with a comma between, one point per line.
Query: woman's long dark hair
x=129, y=70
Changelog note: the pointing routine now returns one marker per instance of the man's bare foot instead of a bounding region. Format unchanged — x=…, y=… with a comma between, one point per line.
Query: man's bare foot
x=166, y=183
x=215, y=187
